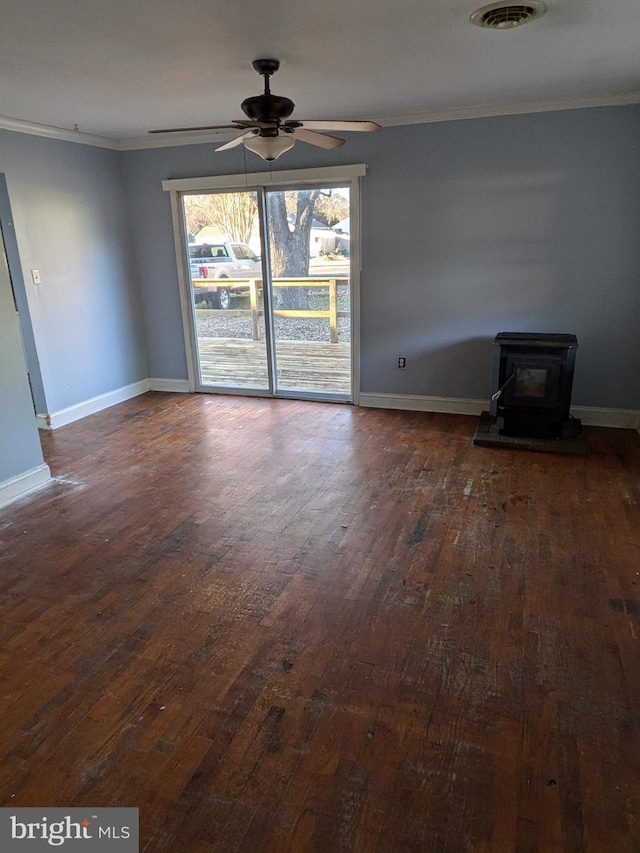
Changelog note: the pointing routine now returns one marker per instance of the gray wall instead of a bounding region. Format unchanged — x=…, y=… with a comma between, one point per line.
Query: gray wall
x=70, y=223
x=517, y=223
x=520, y=223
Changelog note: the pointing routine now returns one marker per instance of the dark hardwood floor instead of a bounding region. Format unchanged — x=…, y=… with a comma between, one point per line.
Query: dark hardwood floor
x=287, y=626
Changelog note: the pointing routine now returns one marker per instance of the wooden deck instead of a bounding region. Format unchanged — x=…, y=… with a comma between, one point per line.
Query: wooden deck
x=310, y=366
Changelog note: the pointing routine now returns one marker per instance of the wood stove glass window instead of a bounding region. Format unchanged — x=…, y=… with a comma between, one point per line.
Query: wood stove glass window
x=531, y=382
x=534, y=382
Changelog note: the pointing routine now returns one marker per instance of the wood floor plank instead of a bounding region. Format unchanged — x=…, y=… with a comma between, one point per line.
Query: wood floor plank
x=278, y=625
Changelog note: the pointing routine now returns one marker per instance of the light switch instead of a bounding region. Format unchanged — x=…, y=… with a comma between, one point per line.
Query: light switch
x=35, y=275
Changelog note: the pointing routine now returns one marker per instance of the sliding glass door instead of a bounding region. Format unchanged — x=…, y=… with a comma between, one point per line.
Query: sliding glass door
x=225, y=278
x=270, y=290
x=310, y=291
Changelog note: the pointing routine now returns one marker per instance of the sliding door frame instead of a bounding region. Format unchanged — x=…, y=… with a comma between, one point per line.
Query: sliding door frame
x=259, y=182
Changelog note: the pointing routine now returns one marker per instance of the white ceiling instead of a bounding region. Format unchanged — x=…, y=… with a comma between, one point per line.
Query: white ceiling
x=117, y=68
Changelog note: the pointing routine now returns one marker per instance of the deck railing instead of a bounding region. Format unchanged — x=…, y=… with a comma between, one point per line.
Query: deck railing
x=255, y=285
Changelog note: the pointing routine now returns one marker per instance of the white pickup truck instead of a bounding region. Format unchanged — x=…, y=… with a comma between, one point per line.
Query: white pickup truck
x=218, y=261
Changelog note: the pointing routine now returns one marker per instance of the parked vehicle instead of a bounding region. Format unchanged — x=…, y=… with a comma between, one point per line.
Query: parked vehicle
x=217, y=262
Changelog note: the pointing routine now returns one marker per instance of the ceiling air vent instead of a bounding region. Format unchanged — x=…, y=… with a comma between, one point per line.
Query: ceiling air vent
x=505, y=16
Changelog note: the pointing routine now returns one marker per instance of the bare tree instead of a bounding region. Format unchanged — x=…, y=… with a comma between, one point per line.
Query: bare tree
x=331, y=208
x=235, y=215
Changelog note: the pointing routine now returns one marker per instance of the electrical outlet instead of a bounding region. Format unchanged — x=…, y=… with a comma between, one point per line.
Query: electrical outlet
x=402, y=362
x=35, y=275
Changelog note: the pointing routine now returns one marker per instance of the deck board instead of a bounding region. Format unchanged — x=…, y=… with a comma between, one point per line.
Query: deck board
x=312, y=366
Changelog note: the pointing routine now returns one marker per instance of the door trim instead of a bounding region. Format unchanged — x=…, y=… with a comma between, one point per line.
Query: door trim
x=349, y=174
x=10, y=241
x=256, y=180
x=184, y=287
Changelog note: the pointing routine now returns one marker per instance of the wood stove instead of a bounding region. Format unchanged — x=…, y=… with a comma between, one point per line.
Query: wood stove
x=532, y=383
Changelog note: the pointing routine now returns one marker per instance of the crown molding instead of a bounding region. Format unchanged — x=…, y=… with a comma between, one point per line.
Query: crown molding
x=20, y=126
x=432, y=116
x=518, y=108
x=147, y=141
x=172, y=140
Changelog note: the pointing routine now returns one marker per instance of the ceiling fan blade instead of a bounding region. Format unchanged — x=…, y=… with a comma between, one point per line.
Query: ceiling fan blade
x=310, y=124
x=237, y=125
x=190, y=129
x=237, y=141
x=322, y=140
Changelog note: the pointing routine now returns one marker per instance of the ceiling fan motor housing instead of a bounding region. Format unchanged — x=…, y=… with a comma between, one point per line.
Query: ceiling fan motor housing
x=267, y=108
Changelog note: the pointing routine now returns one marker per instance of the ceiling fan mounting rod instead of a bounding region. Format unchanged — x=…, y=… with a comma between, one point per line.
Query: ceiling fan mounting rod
x=266, y=68
x=267, y=108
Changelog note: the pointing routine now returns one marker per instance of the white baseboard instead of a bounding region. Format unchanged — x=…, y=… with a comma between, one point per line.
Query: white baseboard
x=91, y=406
x=104, y=401
x=415, y=403
x=619, y=418
x=20, y=486
x=180, y=386
x=589, y=415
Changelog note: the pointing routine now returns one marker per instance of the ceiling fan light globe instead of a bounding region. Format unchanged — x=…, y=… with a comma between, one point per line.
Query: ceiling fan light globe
x=269, y=147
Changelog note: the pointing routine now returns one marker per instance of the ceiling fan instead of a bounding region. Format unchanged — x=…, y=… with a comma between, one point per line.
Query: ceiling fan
x=268, y=130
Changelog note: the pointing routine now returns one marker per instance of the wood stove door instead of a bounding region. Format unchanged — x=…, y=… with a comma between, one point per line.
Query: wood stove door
x=535, y=382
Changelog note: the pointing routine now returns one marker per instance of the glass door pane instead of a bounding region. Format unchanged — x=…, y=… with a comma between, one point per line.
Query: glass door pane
x=225, y=273
x=308, y=235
